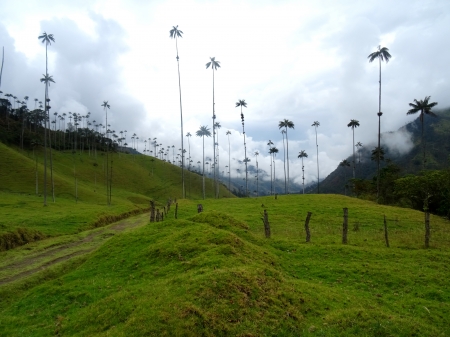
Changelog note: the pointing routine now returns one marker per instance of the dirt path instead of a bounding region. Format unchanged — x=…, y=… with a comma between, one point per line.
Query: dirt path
x=36, y=262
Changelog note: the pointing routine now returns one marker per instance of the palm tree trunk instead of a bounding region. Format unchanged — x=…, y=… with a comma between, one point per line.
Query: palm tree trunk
x=353, y=145
x=317, y=149
x=203, y=175
x=379, y=135
x=284, y=164
x=181, y=118
x=287, y=157
x=423, y=143
x=214, y=135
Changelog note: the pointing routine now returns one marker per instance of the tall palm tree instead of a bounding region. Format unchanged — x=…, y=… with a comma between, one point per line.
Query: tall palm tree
x=353, y=124
x=202, y=132
x=47, y=79
x=425, y=109
x=317, y=124
x=217, y=127
x=359, y=146
x=47, y=39
x=176, y=33
x=257, y=173
x=214, y=65
x=188, y=135
x=229, y=160
x=286, y=124
x=106, y=106
x=382, y=54
x=344, y=164
x=1, y=69
x=302, y=154
x=273, y=151
x=270, y=143
x=241, y=103
x=283, y=132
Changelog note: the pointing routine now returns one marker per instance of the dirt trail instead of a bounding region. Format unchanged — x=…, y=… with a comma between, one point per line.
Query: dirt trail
x=36, y=262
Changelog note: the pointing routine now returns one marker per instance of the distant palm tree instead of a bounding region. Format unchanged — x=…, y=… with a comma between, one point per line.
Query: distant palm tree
x=47, y=39
x=286, y=124
x=377, y=154
x=202, y=132
x=353, y=124
x=106, y=106
x=217, y=127
x=345, y=164
x=270, y=143
x=382, y=54
x=47, y=80
x=316, y=124
x=359, y=146
x=214, y=65
x=176, y=33
x=188, y=135
x=242, y=103
x=229, y=160
x=283, y=132
x=302, y=154
x=257, y=173
x=273, y=151
x=425, y=109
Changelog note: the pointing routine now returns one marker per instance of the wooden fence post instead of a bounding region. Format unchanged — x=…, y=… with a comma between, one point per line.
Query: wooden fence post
x=345, y=226
x=152, y=211
x=157, y=215
x=386, y=237
x=176, y=210
x=308, y=233
x=427, y=229
x=265, y=220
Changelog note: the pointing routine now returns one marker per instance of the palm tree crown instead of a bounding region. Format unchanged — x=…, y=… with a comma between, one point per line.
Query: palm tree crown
x=175, y=32
x=425, y=109
x=286, y=124
x=213, y=63
x=381, y=53
x=202, y=132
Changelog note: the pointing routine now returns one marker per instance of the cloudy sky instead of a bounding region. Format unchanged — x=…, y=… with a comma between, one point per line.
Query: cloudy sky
x=304, y=61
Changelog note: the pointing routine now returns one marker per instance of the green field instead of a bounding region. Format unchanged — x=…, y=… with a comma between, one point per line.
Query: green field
x=214, y=273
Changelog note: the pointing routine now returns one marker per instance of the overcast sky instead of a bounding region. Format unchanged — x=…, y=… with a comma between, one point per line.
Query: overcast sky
x=304, y=61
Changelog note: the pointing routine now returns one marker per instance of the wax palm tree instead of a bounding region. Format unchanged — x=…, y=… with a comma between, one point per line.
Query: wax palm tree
x=241, y=103
x=302, y=154
x=283, y=132
x=214, y=65
x=1, y=69
x=377, y=154
x=270, y=143
x=425, y=109
x=229, y=160
x=316, y=124
x=217, y=127
x=359, y=146
x=256, y=153
x=382, y=54
x=175, y=33
x=202, y=132
x=106, y=106
x=353, y=124
x=189, y=135
x=286, y=124
x=47, y=79
x=273, y=151
x=47, y=39
x=344, y=164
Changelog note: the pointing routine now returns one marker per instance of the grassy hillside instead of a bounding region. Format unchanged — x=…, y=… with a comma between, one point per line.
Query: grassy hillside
x=136, y=179
x=214, y=274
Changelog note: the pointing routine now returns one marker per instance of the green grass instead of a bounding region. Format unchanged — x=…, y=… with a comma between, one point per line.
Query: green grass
x=215, y=274
x=136, y=181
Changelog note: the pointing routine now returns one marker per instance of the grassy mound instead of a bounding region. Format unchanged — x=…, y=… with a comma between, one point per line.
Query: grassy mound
x=213, y=275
